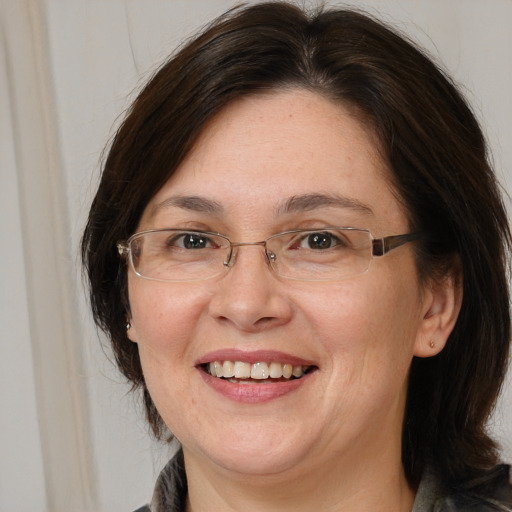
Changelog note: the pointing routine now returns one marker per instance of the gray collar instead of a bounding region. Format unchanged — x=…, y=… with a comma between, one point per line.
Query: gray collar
x=171, y=493
x=171, y=487
x=429, y=495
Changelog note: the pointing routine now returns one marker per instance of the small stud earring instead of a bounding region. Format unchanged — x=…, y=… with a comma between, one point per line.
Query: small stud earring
x=432, y=344
x=128, y=325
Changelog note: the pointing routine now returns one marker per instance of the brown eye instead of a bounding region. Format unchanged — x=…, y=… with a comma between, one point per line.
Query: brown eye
x=320, y=240
x=191, y=241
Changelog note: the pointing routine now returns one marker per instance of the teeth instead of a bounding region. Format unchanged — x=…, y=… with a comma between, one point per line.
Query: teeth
x=287, y=371
x=228, y=369
x=258, y=371
x=242, y=370
x=297, y=371
x=276, y=370
x=217, y=367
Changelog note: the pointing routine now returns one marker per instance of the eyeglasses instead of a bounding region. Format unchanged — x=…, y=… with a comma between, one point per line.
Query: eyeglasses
x=325, y=254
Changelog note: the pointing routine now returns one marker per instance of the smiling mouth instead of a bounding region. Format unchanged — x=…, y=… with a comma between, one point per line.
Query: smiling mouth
x=241, y=372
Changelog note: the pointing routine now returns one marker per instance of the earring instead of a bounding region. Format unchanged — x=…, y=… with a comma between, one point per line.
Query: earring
x=128, y=325
x=432, y=344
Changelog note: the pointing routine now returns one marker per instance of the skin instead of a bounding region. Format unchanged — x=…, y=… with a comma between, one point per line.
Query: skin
x=336, y=439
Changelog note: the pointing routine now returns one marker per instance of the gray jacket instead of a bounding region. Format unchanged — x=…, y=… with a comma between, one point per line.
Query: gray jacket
x=171, y=491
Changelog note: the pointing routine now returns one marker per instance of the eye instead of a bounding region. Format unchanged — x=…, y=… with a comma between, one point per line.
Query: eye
x=191, y=241
x=320, y=241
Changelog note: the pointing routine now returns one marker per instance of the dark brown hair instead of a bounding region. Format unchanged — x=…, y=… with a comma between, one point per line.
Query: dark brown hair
x=437, y=154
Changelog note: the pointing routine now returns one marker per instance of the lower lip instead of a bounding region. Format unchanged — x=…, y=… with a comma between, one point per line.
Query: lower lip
x=254, y=392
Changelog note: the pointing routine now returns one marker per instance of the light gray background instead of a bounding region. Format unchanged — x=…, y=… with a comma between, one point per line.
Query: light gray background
x=71, y=436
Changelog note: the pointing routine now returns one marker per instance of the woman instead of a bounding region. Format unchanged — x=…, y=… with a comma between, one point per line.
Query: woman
x=299, y=251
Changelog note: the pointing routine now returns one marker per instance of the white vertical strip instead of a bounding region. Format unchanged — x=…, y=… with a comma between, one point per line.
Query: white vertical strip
x=20, y=444
x=61, y=403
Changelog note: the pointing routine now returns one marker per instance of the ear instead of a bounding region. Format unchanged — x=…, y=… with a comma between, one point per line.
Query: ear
x=441, y=306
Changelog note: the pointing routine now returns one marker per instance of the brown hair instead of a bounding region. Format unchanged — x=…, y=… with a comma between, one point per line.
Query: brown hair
x=434, y=147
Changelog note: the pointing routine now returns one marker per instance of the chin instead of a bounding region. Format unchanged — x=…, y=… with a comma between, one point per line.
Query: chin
x=260, y=463
x=253, y=455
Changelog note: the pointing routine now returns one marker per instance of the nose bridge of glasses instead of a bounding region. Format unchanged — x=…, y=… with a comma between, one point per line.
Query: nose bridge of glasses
x=230, y=260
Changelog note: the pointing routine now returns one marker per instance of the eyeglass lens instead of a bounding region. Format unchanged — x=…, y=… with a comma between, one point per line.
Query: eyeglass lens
x=316, y=255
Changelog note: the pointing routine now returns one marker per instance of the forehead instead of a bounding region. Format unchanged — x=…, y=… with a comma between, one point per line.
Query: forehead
x=270, y=148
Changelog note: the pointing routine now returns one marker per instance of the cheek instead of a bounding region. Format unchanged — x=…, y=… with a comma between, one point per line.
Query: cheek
x=344, y=312
x=366, y=326
x=164, y=316
x=367, y=335
x=164, y=319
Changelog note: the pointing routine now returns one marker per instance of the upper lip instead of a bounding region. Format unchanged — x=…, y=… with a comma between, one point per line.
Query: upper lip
x=256, y=356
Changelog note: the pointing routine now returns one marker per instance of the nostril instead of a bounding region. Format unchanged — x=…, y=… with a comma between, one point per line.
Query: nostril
x=262, y=322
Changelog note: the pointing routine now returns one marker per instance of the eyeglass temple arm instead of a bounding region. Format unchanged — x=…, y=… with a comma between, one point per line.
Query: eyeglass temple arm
x=381, y=246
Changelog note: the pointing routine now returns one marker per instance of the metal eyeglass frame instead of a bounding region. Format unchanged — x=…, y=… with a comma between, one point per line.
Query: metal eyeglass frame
x=380, y=246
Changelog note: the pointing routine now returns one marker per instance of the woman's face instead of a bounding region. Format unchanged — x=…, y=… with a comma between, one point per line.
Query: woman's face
x=267, y=164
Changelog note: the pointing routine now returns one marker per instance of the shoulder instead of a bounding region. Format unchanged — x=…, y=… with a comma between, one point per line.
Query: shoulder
x=472, y=503
x=171, y=488
x=490, y=493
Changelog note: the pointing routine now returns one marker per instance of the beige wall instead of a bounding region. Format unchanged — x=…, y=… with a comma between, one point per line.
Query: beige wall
x=71, y=439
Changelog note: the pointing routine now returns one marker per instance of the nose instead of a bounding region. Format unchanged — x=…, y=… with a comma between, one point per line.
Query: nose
x=249, y=296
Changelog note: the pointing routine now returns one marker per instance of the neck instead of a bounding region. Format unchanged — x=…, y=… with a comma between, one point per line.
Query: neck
x=378, y=485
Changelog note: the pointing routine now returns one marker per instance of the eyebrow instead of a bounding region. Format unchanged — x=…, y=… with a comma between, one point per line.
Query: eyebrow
x=294, y=204
x=308, y=202
x=192, y=203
